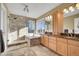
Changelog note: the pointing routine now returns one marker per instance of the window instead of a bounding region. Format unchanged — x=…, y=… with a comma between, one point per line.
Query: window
x=31, y=26
x=40, y=26
x=44, y=25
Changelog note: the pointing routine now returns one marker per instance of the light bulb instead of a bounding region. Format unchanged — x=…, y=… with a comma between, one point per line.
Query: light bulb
x=71, y=8
x=50, y=17
x=65, y=11
x=77, y=5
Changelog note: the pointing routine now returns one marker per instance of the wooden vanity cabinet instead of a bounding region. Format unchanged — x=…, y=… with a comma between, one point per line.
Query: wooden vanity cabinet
x=73, y=48
x=62, y=46
x=52, y=43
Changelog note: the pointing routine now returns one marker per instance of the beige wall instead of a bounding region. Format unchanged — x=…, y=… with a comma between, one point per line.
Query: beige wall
x=69, y=22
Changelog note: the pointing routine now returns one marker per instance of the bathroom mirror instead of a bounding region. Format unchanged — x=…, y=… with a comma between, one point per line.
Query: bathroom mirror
x=71, y=22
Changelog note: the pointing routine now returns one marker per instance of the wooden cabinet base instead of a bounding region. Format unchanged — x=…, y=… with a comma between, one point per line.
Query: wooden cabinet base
x=63, y=46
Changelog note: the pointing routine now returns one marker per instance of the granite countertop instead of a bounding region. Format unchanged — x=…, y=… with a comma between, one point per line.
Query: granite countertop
x=32, y=37
x=69, y=38
x=65, y=37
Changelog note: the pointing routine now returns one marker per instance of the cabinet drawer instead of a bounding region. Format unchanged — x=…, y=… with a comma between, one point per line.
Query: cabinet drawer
x=62, y=40
x=52, y=41
x=52, y=38
x=73, y=42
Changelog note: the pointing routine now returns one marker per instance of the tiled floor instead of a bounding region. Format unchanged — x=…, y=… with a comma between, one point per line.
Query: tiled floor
x=24, y=50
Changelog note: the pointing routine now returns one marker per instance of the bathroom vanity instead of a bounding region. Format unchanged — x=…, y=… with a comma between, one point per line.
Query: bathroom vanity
x=63, y=45
x=33, y=40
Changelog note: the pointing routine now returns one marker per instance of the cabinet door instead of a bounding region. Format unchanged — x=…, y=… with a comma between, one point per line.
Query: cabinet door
x=42, y=40
x=62, y=46
x=52, y=43
x=46, y=41
x=73, y=48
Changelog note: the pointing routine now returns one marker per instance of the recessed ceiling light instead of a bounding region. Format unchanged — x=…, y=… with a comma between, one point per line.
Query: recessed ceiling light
x=65, y=11
x=71, y=8
x=47, y=18
x=77, y=5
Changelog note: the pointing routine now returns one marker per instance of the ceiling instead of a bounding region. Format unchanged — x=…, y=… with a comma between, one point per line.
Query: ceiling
x=35, y=9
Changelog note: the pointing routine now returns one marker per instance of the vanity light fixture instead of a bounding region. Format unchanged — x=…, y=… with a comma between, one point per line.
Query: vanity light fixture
x=65, y=11
x=71, y=8
x=50, y=17
x=77, y=5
